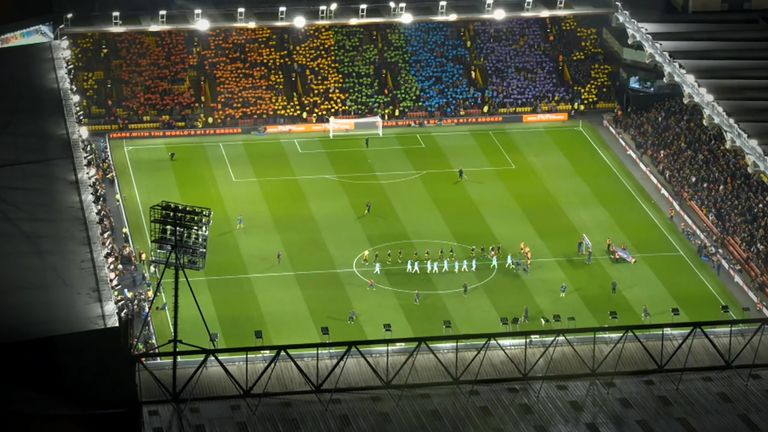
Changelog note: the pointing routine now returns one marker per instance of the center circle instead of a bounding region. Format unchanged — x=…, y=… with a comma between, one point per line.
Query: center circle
x=440, y=243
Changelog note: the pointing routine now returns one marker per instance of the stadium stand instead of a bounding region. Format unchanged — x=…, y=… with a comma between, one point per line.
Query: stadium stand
x=153, y=73
x=577, y=44
x=245, y=76
x=318, y=79
x=439, y=61
x=521, y=71
x=712, y=178
x=401, y=84
x=250, y=76
x=359, y=63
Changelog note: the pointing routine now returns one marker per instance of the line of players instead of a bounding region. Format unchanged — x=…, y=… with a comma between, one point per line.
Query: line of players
x=413, y=264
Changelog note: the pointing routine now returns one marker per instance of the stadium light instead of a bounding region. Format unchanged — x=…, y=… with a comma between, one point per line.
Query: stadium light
x=353, y=21
x=116, y=19
x=65, y=44
x=66, y=53
x=198, y=15
x=322, y=14
x=161, y=16
x=362, y=11
x=392, y=9
x=441, y=8
x=453, y=17
x=400, y=9
x=203, y=24
x=407, y=18
x=76, y=98
x=68, y=20
x=332, y=10
x=281, y=13
x=83, y=132
x=240, y=15
x=488, y=6
x=499, y=14
x=299, y=22
x=528, y=5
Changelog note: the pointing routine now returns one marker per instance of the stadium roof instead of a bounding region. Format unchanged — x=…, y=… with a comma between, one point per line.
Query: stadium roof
x=727, y=58
x=50, y=284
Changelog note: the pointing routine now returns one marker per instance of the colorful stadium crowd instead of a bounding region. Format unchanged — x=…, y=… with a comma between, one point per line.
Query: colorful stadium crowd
x=693, y=159
x=269, y=75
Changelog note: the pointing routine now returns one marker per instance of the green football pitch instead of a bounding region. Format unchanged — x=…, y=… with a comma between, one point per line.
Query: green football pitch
x=305, y=196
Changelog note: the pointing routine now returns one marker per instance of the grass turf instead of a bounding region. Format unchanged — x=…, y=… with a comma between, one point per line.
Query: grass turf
x=305, y=195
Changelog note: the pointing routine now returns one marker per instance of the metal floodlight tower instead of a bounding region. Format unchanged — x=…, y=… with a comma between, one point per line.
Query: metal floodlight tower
x=161, y=16
x=68, y=20
x=198, y=15
x=332, y=11
x=116, y=19
x=322, y=14
x=178, y=235
x=281, y=13
x=240, y=15
x=441, y=8
x=560, y=4
x=362, y=11
x=392, y=9
x=488, y=7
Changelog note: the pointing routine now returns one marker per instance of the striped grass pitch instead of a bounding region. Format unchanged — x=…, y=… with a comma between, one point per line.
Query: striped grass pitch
x=305, y=196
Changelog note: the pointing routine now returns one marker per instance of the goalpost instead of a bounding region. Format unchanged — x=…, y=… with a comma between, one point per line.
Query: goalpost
x=356, y=126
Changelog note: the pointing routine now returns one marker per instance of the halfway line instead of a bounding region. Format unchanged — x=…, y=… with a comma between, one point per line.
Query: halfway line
x=370, y=268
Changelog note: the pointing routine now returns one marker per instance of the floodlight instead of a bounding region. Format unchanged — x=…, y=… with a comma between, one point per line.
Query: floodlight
x=66, y=53
x=65, y=44
x=691, y=79
x=203, y=24
x=499, y=14
x=281, y=13
x=115, y=18
x=453, y=17
x=488, y=6
x=76, y=98
x=179, y=231
x=240, y=15
x=392, y=9
x=441, y=8
x=353, y=21
x=83, y=132
x=322, y=13
x=362, y=11
x=299, y=22
x=407, y=18
x=161, y=16
x=392, y=4
x=69, y=15
x=198, y=15
x=334, y=6
x=251, y=24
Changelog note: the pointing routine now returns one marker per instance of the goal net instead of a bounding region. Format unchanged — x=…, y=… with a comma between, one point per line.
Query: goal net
x=358, y=126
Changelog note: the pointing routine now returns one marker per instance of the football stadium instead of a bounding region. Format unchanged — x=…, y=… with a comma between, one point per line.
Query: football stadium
x=374, y=214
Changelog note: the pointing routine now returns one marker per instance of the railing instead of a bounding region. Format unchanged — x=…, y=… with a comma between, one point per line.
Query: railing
x=398, y=364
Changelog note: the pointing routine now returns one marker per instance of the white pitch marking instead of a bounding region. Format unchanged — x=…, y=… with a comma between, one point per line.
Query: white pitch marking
x=226, y=159
x=144, y=222
x=333, y=176
x=420, y=140
x=347, y=270
x=652, y=216
x=502, y=149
